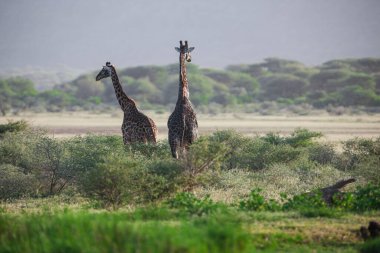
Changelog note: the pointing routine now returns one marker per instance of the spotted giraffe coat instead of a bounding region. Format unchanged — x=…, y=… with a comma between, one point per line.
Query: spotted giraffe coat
x=182, y=123
x=136, y=127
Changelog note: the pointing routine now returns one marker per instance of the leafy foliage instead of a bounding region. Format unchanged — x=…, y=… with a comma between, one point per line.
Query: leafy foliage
x=367, y=198
x=103, y=169
x=371, y=246
x=11, y=126
x=278, y=81
x=14, y=183
x=189, y=203
x=256, y=202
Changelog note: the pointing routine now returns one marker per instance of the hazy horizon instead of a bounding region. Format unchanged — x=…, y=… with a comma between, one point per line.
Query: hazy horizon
x=85, y=34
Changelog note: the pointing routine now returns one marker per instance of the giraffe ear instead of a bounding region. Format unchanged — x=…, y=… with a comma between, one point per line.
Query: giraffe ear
x=177, y=49
x=190, y=49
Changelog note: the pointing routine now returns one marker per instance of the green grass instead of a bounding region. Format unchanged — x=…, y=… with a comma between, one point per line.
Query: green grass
x=158, y=229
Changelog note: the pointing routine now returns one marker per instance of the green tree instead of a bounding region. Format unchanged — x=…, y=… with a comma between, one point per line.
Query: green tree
x=88, y=87
x=16, y=93
x=283, y=86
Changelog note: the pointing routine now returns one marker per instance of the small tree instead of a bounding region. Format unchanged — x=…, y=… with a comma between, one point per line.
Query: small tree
x=14, y=183
x=52, y=165
x=111, y=181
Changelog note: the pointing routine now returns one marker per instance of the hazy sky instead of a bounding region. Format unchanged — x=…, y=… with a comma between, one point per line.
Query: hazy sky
x=84, y=34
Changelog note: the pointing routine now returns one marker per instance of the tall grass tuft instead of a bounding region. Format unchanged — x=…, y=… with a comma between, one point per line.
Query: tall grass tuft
x=116, y=232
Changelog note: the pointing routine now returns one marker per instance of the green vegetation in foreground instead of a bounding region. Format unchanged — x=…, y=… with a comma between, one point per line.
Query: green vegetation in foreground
x=229, y=193
x=159, y=229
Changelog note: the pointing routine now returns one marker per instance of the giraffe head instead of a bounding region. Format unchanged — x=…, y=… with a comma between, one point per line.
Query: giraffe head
x=184, y=49
x=105, y=72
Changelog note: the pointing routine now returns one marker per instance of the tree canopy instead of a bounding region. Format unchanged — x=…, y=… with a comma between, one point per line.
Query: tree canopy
x=351, y=82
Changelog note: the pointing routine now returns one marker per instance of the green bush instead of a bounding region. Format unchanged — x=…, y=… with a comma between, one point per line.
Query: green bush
x=361, y=157
x=88, y=151
x=187, y=202
x=260, y=152
x=208, y=155
x=16, y=126
x=257, y=154
x=256, y=202
x=305, y=201
x=160, y=150
x=367, y=198
x=322, y=154
x=18, y=148
x=302, y=138
x=110, y=182
x=52, y=164
x=371, y=246
x=157, y=179
x=15, y=184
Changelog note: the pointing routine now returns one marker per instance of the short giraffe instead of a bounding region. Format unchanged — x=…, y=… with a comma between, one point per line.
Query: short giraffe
x=136, y=127
x=182, y=123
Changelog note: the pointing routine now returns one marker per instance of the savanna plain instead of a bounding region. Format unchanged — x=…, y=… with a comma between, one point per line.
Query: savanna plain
x=250, y=183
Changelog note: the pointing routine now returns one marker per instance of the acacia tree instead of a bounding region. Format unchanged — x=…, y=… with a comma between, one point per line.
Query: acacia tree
x=52, y=165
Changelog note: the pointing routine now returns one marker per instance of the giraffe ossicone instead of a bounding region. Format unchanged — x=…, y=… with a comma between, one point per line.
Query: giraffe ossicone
x=182, y=123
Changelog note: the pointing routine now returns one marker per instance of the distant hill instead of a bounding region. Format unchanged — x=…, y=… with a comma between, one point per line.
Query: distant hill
x=272, y=83
x=350, y=82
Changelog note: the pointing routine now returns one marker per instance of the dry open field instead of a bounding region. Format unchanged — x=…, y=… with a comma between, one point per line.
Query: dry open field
x=334, y=128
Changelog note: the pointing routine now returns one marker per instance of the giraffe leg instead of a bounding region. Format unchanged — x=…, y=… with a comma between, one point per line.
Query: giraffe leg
x=174, y=145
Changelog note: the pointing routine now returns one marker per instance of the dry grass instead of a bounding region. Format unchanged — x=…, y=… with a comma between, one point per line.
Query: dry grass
x=326, y=231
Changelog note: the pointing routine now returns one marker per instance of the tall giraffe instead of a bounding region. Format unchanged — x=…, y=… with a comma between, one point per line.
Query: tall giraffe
x=182, y=123
x=136, y=127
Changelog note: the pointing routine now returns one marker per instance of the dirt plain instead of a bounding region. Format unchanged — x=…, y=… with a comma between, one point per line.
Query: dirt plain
x=334, y=128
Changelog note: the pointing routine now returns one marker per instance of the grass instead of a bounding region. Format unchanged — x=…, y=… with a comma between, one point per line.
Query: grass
x=78, y=228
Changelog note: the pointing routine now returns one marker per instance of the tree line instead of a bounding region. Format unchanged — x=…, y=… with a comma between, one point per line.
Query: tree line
x=351, y=82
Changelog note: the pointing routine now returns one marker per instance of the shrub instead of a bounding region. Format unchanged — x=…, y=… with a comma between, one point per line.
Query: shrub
x=208, y=153
x=371, y=246
x=367, y=198
x=192, y=205
x=322, y=154
x=302, y=138
x=17, y=126
x=232, y=143
x=149, y=150
x=299, y=138
x=256, y=202
x=305, y=201
x=110, y=181
x=15, y=184
x=53, y=164
x=258, y=154
x=156, y=180
x=358, y=149
x=89, y=151
x=361, y=157
x=18, y=148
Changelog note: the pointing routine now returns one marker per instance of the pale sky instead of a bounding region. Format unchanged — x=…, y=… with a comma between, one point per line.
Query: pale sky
x=85, y=34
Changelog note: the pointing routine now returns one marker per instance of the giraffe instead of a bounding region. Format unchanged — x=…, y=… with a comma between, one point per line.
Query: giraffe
x=182, y=123
x=136, y=127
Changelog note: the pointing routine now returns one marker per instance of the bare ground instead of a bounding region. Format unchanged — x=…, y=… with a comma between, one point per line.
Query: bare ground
x=334, y=128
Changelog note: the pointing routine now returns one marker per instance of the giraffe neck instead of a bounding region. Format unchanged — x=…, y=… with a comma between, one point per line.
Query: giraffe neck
x=126, y=103
x=183, y=84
